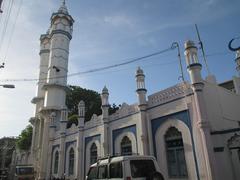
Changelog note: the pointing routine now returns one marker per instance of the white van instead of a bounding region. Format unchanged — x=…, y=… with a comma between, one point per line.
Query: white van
x=134, y=167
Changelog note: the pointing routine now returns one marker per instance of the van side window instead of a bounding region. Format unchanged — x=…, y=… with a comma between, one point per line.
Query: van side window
x=142, y=168
x=116, y=170
x=92, y=174
x=102, y=172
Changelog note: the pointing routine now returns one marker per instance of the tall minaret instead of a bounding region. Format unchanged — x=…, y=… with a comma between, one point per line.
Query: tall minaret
x=204, y=144
x=142, y=105
x=39, y=99
x=60, y=34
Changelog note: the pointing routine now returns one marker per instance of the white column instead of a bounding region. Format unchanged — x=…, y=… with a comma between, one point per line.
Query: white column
x=105, y=119
x=142, y=105
x=194, y=69
x=80, y=145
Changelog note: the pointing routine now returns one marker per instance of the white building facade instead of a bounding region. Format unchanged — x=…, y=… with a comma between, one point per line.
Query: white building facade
x=193, y=129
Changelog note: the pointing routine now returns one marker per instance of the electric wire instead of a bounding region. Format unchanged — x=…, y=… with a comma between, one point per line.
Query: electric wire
x=5, y=25
x=13, y=29
x=93, y=70
x=108, y=67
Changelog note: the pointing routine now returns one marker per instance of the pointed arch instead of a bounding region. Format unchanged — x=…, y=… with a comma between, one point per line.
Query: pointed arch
x=56, y=162
x=118, y=141
x=161, y=149
x=71, y=162
x=175, y=153
x=93, y=153
x=88, y=153
x=126, y=146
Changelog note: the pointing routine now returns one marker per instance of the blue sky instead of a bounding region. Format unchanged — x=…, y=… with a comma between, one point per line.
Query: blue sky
x=111, y=31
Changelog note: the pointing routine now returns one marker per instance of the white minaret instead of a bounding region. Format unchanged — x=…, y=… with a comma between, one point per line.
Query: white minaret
x=204, y=145
x=60, y=34
x=142, y=105
x=105, y=119
x=39, y=99
x=141, y=90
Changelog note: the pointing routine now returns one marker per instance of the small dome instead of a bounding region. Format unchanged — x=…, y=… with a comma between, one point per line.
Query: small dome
x=105, y=90
x=189, y=44
x=139, y=71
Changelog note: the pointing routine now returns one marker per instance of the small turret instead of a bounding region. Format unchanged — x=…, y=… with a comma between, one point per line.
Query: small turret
x=63, y=120
x=193, y=66
x=105, y=96
x=105, y=104
x=81, y=114
x=105, y=119
x=141, y=90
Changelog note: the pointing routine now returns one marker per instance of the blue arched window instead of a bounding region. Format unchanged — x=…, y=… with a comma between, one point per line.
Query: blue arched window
x=71, y=162
x=93, y=153
x=56, y=160
x=175, y=154
x=126, y=146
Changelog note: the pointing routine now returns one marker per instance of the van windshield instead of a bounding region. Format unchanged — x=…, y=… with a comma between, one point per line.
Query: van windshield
x=142, y=168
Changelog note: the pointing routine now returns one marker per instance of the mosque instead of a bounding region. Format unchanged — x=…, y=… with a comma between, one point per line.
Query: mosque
x=192, y=128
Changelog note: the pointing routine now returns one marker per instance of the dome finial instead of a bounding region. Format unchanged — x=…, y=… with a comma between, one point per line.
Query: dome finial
x=63, y=8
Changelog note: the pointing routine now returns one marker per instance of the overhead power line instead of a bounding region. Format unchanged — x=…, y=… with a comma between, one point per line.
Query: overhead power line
x=12, y=30
x=96, y=69
x=5, y=23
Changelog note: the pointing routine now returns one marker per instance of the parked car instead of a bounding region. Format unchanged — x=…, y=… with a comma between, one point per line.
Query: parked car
x=134, y=167
x=24, y=172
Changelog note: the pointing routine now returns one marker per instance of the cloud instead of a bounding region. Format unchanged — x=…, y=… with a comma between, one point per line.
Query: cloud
x=119, y=21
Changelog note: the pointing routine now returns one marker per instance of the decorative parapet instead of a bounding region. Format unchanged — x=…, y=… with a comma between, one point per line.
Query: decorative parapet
x=173, y=93
x=124, y=111
x=95, y=121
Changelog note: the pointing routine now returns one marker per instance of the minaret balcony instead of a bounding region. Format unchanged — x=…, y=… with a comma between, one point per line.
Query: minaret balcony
x=36, y=99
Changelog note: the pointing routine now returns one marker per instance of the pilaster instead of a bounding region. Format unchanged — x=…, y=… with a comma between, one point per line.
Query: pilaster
x=105, y=119
x=202, y=123
x=142, y=105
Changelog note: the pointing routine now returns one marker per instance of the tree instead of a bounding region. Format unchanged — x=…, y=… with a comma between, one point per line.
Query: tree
x=25, y=138
x=92, y=101
x=91, y=98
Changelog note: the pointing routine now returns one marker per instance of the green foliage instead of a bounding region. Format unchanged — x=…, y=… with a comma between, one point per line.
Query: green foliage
x=91, y=98
x=25, y=138
x=72, y=120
